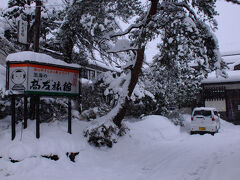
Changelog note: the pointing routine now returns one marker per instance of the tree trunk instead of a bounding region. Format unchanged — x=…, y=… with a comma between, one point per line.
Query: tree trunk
x=137, y=67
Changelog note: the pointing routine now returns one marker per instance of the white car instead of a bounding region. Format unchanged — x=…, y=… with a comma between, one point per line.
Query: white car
x=205, y=119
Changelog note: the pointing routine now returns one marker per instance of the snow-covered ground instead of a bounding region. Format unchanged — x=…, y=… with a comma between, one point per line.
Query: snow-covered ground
x=154, y=149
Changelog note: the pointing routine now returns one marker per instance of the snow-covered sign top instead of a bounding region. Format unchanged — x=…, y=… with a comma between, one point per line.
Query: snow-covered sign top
x=233, y=76
x=36, y=73
x=44, y=58
x=38, y=58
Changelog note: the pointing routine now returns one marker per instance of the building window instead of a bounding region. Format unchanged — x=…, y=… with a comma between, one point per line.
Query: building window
x=215, y=93
x=98, y=73
x=84, y=73
x=91, y=74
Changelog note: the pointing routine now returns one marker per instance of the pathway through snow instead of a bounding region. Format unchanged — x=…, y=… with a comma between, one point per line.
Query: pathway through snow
x=154, y=150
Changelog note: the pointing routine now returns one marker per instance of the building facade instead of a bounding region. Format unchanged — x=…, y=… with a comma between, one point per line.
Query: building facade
x=224, y=93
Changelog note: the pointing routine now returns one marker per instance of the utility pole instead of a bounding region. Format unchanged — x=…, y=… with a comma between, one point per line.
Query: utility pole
x=37, y=25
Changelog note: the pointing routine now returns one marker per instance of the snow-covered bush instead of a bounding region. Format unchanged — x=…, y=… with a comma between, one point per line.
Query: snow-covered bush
x=145, y=106
x=91, y=97
x=104, y=134
x=94, y=103
x=93, y=113
x=53, y=109
x=175, y=116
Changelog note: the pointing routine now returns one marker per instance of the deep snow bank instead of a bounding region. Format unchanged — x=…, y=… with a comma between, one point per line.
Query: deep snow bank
x=154, y=128
x=55, y=139
x=154, y=149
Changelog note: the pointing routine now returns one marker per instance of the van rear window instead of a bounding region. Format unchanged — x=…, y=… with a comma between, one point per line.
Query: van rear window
x=202, y=112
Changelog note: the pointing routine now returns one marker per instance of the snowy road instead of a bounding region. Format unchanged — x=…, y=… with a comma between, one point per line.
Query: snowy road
x=154, y=150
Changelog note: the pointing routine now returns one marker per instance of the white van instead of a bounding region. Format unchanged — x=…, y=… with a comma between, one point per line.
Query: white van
x=205, y=119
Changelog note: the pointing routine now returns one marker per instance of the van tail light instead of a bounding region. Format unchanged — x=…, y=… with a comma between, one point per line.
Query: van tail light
x=191, y=118
x=213, y=119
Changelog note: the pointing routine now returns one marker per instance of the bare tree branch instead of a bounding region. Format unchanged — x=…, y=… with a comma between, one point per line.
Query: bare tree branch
x=184, y=5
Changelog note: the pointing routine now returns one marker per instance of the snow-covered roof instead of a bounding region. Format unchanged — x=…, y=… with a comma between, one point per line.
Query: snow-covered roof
x=37, y=57
x=204, y=108
x=230, y=53
x=233, y=76
x=231, y=59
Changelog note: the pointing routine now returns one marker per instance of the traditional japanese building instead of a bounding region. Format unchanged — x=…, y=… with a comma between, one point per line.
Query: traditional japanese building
x=89, y=69
x=224, y=93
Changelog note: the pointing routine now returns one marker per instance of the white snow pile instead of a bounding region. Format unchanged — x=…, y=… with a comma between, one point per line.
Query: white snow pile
x=154, y=149
x=54, y=140
x=158, y=128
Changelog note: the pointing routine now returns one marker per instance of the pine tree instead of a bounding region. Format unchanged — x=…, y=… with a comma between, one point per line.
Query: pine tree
x=173, y=81
x=88, y=24
x=164, y=18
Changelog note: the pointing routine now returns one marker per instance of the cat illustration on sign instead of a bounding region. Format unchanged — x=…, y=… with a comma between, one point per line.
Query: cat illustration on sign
x=18, y=77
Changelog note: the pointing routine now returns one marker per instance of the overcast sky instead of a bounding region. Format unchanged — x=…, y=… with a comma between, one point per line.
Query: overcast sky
x=228, y=32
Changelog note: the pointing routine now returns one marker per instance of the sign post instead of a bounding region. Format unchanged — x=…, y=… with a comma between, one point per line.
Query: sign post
x=35, y=79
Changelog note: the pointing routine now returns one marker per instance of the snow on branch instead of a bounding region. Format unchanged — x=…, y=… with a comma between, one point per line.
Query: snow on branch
x=186, y=6
x=133, y=26
x=234, y=1
x=121, y=45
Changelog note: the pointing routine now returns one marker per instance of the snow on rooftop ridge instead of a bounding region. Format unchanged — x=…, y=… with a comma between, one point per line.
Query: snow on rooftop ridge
x=233, y=76
x=37, y=57
x=231, y=59
x=204, y=108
